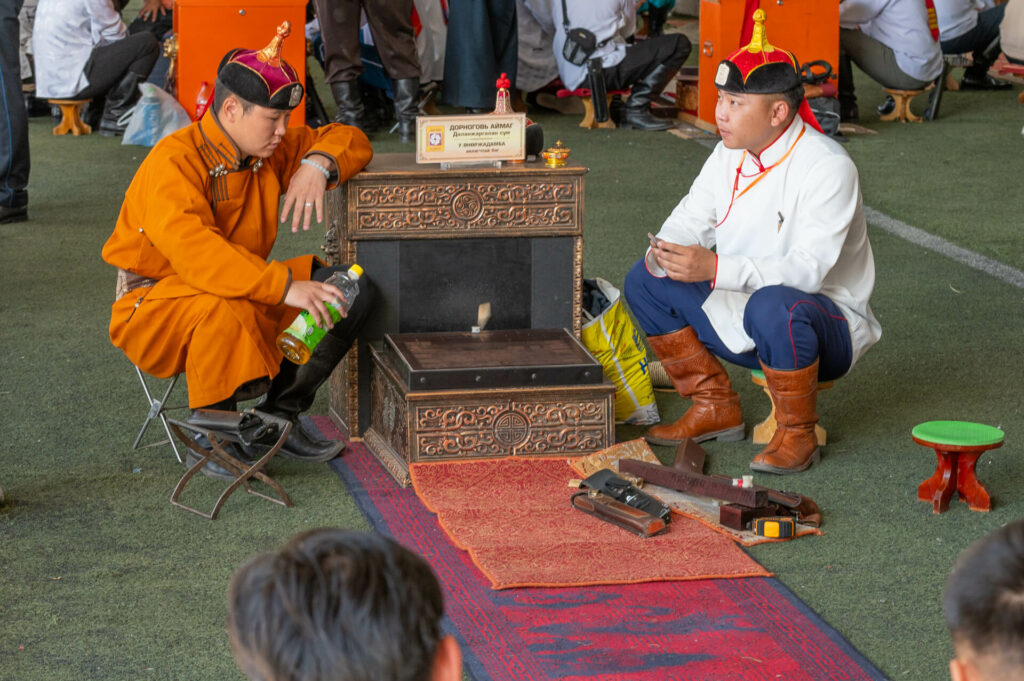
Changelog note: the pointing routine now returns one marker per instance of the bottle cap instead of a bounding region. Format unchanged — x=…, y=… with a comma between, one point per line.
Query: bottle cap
x=356, y=270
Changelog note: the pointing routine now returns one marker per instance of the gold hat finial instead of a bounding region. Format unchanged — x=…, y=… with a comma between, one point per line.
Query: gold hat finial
x=271, y=54
x=759, y=40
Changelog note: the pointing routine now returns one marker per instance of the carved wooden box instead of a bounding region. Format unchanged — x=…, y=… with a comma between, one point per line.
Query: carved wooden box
x=544, y=398
x=437, y=243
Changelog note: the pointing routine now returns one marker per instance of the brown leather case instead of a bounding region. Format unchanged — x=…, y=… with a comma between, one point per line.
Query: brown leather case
x=617, y=513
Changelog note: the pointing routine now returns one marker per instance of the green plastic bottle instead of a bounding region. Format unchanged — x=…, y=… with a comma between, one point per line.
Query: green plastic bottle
x=298, y=341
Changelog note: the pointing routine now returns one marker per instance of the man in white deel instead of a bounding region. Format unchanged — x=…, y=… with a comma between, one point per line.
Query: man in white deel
x=785, y=290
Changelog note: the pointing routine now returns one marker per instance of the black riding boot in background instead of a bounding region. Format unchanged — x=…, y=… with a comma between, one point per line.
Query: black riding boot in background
x=656, y=18
x=637, y=112
x=406, y=110
x=316, y=115
x=848, y=111
x=351, y=110
x=119, y=100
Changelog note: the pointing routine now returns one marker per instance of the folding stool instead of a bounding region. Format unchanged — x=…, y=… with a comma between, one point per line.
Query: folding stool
x=157, y=409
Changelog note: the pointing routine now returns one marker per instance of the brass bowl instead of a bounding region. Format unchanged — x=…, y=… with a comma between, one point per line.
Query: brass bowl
x=556, y=155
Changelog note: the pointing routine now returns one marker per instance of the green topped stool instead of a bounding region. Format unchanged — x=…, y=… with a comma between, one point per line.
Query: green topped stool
x=957, y=444
x=763, y=432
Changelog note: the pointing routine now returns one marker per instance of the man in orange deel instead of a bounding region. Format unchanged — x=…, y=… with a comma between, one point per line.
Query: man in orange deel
x=196, y=293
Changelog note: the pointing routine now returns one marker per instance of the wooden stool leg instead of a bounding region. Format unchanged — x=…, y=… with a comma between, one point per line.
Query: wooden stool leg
x=588, y=114
x=967, y=484
x=939, y=488
x=764, y=431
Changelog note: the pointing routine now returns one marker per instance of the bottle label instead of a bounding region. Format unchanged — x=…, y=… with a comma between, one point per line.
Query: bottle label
x=305, y=329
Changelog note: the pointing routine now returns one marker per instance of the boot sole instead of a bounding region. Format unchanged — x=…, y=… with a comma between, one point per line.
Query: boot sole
x=777, y=470
x=728, y=435
x=313, y=459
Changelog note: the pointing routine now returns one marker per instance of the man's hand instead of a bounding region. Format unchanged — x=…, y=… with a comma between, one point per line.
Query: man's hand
x=312, y=297
x=685, y=263
x=305, y=191
x=150, y=10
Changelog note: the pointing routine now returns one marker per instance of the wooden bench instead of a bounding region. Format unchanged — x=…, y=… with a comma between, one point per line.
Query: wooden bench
x=584, y=95
x=70, y=118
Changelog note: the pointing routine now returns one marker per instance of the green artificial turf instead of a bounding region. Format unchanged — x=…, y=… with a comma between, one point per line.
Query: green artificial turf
x=101, y=578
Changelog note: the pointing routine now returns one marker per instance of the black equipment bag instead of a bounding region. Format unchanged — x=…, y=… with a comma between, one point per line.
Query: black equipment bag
x=580, y=43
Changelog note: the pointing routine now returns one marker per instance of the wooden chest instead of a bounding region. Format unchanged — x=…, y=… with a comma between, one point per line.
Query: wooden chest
x=444, y=396
x=438, y=243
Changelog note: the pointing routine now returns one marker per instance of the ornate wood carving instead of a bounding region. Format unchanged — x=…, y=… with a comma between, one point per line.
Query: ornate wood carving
x=510, y=427
x=521, y=206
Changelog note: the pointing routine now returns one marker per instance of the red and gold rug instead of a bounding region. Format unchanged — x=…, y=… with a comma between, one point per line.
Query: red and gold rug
x=514, y=518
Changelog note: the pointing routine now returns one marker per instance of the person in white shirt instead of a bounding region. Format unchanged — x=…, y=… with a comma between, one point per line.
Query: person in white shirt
x=890, y=40
x=786, y=289
x=965, y=28
x=1011, y=31
x=83, y=51
x=646, y=67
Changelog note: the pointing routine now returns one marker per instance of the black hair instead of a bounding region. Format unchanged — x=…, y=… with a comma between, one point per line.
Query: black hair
x=984, y=599
x=336, y=605
x=222, y=91
x=793, y=97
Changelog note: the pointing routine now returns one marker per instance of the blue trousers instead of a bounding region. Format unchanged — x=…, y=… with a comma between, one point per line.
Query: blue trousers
x=790, y=328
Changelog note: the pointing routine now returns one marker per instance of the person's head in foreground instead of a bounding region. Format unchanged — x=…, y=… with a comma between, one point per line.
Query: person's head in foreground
x=984, y=606
x=254, y=95
x=339, y=605
x=759, y=93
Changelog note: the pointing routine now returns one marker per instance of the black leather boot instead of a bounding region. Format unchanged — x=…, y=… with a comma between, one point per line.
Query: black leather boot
x=637, y=112
x=406, y=110
x=293, y=391
x=656, y=18
x=316, y=115
x=351, y=110
x=119, y=100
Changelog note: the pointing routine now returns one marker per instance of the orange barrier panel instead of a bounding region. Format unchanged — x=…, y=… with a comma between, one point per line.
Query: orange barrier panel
x=807, y=28
x=207, y=29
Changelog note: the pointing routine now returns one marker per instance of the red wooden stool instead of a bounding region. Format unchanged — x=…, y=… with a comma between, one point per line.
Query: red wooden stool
x=957, y=444
x=588, y=106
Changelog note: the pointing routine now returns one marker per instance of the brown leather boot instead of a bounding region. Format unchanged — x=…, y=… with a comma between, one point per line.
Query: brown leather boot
x=697, y=374
x=794, y=447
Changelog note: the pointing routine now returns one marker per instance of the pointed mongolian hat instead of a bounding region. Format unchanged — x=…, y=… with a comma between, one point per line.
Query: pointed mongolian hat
x=759, y=67
x=261, y=76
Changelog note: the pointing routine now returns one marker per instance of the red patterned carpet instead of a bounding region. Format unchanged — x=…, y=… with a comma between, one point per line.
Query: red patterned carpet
x=513, y=516
x=721, y=629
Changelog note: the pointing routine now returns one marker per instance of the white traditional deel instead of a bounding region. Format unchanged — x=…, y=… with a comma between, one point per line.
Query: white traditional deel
x=64, y=35
x=801, y=225
x=901, y=25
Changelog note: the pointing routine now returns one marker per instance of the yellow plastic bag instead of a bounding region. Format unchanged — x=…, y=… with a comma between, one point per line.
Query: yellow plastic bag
x=616, y=343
